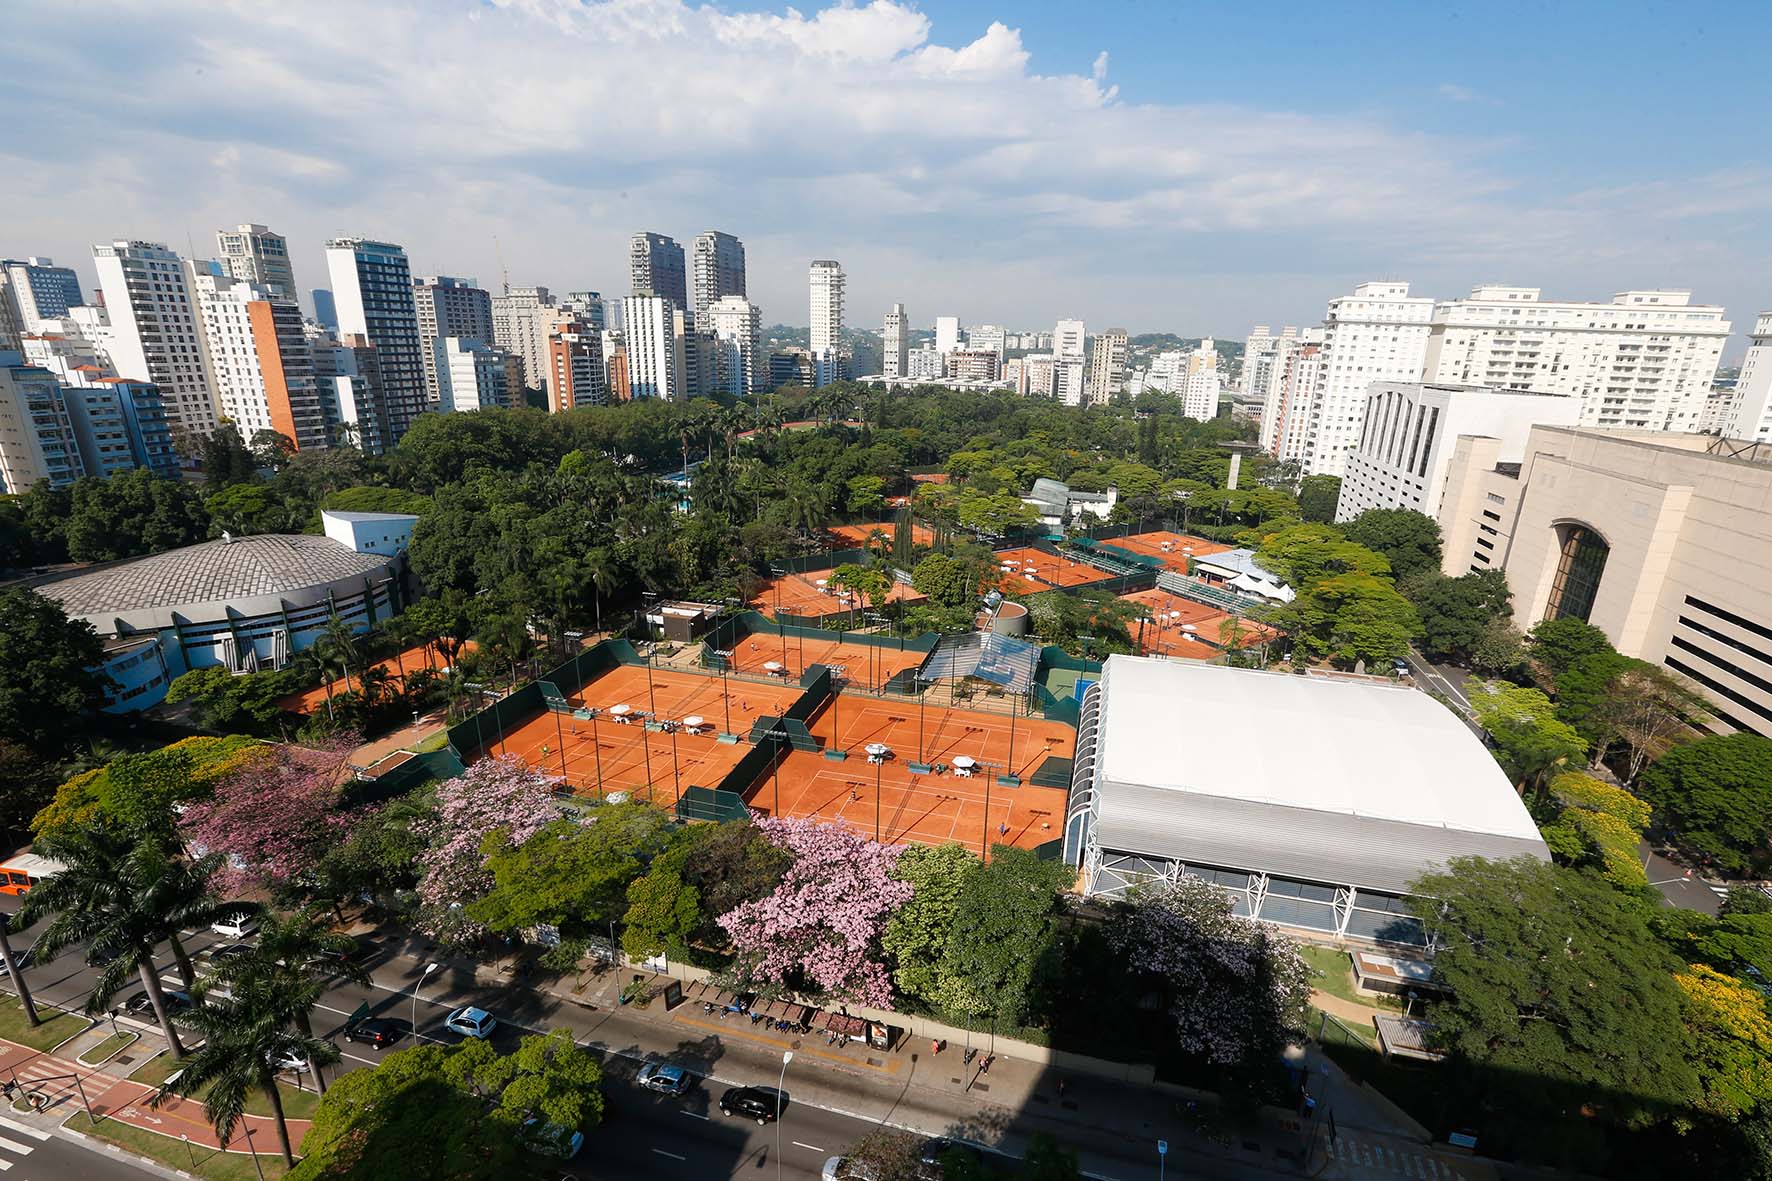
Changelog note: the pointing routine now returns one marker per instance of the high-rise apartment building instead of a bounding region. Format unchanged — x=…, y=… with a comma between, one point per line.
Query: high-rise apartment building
x=740, y=367
x=119, y=425
x=1199, y=396
x=471, y=374
x=719, y=270
x=986, y=338
x=588, y=308
x=826, y=281
x=372, y=285
x=1107, y=366
x=1643, y=361
x=35, y=289
x=1263, y=360
x=349, y=379
x=516, y=314
x=154, y=332
x=973, y=365
x=1300, y=368
x=947, y=334
x=448, y=306
x=653, y=347
x=896, y=343
x=1067, y=381
x=1750, y=406
x=255, y=254
x=1067, y=341
x=1039, y=369
x=36, y=435
x=655, y=267
x=258, y=359
x=576, y=373
x=925, y=365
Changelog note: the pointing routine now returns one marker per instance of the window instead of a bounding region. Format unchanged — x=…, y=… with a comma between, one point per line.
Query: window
x=1580, y=564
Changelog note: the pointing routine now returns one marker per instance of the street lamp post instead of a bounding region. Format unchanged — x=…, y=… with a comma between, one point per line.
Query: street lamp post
x=876, y=802
x=919, y=683
x=420, y=983
x=787, y=1056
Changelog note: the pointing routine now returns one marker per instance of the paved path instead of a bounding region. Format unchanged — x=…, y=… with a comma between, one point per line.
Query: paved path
x=1346, y=1010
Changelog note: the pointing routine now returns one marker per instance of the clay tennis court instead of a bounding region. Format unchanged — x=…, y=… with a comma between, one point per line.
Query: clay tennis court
x=1171, y=616
x=862, y=664
x=601, y=756
x=1049, y=571
x=923, y=809
x=800, y=594
x=1170, y=547
x=856, y=536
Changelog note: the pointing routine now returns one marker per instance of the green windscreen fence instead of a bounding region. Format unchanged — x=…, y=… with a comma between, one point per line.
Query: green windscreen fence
x=711, y=804
x=399, y=780
x=828, y=560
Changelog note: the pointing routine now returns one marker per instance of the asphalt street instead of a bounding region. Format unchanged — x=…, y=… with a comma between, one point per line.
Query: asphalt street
x=29, y=1155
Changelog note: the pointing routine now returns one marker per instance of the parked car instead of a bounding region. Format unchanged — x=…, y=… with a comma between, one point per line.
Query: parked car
x=298, y=1063
x=551, y=1139
x=840, y=1168
x=221, y=953
x=471, y=1022
x=762, y=1104
x=664, y=1078
x=141, y=1005
x=238, y=925
x=376, y=1032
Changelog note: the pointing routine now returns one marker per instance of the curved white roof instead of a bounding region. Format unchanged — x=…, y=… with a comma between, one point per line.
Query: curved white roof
x=1388, y=752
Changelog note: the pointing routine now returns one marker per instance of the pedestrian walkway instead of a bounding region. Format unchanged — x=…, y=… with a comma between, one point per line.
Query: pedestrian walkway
x=16, y=1142
x=1360, y=1154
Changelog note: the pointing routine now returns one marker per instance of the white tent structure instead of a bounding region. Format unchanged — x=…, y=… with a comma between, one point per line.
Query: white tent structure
x=1315, y=801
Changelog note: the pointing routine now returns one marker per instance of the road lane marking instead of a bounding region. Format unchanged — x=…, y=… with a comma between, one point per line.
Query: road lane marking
x=672, y=1155
x=813, y=1147
x=24, y=1129
x=691, y=1114
x=15, y=1146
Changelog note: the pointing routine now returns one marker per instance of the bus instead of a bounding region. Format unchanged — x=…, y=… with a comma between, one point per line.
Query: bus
x=25, y=870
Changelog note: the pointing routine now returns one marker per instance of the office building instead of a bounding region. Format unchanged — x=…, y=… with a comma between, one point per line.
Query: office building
x=348, y=377
x=471, y=374
x=588, y=308
x=372, y=285
x=791, y=366
x=719, y=270
x=825, y=280
x=896, y=343
x=985, y=338
x=325, y=308
x=576, y=374
x=1749, y=415
x=253, y=254
x=741, y=369
x=1662, y=541
x=655, y=267
x=35, y=289
x=258, y=359
x=654, y=346
x=972, y=365
x=154, y=332
x=1107, y=366
x=448, y=307
x=947, y=334
x=1068, y=341
x=1410, y=430
x=925, y=365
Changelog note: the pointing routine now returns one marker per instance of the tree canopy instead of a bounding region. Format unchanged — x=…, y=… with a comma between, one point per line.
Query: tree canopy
x=1716, y=793
x=1409, y=541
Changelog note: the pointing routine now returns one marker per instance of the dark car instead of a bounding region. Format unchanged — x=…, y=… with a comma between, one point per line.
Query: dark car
x=936, y=1153
x=141, y=1005
x=762, y=1104
x=377, y=1032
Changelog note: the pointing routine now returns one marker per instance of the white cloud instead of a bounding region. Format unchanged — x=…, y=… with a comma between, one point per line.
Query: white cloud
x=948, y=175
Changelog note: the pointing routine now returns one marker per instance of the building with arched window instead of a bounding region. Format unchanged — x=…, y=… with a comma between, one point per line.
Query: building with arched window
x=1662, y=541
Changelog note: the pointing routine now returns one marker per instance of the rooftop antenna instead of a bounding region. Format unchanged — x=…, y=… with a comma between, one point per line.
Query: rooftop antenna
x=503, y=275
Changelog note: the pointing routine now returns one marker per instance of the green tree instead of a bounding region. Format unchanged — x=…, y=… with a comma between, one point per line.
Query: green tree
x=1409, y=541
x=1004, y=935
x=251, y=704
x=947, y=581
x=548, y=1077
x=1553, y=645
x=865, y=494
x=132, y=513
x=917, y=935
x=1317, y=496
x=1716, y=793
x=571, y=875
x=244, y=1043
x=1302, y=555
x=1530, y=740
x=1647, y=710
x=1597, y=825
x=886, y=1154
x=225, y=457
x=1349, y=617
x=1728, y=1039
x=370, y=499
x=1457, y=613
x=1558, y=1001
x=243, y=509
x=663, y=910
x=1047, y=1161
x=48, y=672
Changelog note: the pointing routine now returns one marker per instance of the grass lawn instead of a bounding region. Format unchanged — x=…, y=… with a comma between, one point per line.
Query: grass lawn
x=1332, y=972
x=218, y=1166
x=57, y=1026
x=114, y=1044
x=297, y=1104
x=1366, y=1031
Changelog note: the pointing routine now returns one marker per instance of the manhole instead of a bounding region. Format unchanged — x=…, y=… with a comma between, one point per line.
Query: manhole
x=956, y=1080
x=123, y=1059
x=876, y=1062
x=981, y=1086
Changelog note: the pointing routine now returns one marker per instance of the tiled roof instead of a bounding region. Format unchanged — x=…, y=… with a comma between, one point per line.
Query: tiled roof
x=268, y=564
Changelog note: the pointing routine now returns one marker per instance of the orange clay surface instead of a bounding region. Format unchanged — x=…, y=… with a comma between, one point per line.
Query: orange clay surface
x=922, y=809
x=862, y=665
x=1049, y=571
x=1151, y=546
x=799, y=594
x=622, y=751
x=1169, y=614
x=856, y=536
x=413, y=659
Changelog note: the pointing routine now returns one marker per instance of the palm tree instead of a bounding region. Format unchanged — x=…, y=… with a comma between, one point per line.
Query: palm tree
x=338, y=646
x=299, y=958
x=806, y=507
x=120, y=897
x=245, y=1043
x=17, y=973
x=599, y=567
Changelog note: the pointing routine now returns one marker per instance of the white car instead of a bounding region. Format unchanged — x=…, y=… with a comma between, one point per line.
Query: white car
x=297, y=1063
x=236, y=926
x=471, y=1022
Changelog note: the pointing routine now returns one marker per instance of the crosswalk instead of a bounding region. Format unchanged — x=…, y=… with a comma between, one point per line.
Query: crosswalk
x=1390, y=1156
x=16, y=1140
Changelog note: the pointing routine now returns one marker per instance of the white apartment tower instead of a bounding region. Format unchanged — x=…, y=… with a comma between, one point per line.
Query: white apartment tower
x=947, y=334
x=986, y=338
x=1067, y=381
x=514, y=317
x=1199, y=396
x=1263, y=361
x=372, y=285
x=255, y=254
x=471, y=374
x=740, y=367
x=154, y=331
x=718, y=261
x=1107, y=366
x=1644, y=361
x=1300, y=370
x=1067, y=341
x=258, y=358
x=826, y=282
x=896, y=343
x=654, y=347
x=35, y=289
x=1750, y=410
x=448, y=306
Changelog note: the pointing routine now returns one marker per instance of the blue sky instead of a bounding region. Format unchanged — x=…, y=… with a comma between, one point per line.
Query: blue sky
x=1221, y=165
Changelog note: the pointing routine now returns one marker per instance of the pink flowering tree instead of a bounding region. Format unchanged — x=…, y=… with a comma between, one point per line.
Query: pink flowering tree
x=820, y=929
x=272, y=819
x=1237, y=991
x=504, y=796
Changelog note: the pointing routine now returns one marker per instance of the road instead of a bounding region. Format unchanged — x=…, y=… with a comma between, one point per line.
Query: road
x=27, y=1154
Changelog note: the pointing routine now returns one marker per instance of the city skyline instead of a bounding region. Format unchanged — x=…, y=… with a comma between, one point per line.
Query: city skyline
x=1198, y=206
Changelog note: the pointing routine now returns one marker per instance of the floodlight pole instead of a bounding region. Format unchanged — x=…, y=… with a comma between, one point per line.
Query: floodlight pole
x=877, y=801
x=919, y=682
x=560, y=737
x=597, y=749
